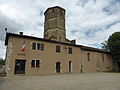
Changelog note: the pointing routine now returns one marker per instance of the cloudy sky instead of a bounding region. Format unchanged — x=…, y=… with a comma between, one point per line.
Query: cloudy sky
x=90, y=22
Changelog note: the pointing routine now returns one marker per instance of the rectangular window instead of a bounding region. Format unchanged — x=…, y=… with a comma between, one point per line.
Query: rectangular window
x=70, y=50
x=88, y=56
x=38, y=46
x=58, y=49
x=33, y=63
x=34, y=46
x=103, y=57
x=60, y=39
x=37, y=63
x=42, y=46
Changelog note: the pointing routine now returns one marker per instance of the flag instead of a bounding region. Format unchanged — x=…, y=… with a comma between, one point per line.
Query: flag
x=23, y=47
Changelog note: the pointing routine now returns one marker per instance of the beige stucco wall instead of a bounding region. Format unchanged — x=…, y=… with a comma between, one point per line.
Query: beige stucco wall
x=96, y=63
x=49, y=57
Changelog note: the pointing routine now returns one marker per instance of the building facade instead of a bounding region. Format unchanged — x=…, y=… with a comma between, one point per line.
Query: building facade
x=54, y=53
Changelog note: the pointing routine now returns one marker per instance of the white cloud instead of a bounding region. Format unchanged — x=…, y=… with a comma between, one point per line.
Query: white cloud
x=2, y=50
x=90, y=23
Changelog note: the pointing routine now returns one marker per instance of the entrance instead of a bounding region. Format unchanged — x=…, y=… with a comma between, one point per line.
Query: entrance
x=118, y=66
x=20, y=66
x=58, y=67
x=70, y=66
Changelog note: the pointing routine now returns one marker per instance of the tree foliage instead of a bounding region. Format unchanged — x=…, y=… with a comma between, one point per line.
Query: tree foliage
x=2, y=62
x=113, y=45
x=105, y=46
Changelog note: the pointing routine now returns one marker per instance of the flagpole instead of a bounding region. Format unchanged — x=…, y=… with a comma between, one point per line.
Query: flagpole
x=6, y=49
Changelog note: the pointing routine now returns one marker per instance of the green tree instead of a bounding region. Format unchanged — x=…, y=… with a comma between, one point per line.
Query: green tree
x=2, y=62
x=105, y=45
x=113, y=45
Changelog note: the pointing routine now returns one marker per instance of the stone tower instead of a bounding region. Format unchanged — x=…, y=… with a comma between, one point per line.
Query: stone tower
x=54, y=26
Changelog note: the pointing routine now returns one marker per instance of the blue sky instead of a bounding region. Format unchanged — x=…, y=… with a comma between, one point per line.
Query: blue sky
x=90, y=22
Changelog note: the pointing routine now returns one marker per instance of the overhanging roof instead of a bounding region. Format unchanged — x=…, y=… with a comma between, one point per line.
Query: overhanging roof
x=52, y=41
x=54, y=7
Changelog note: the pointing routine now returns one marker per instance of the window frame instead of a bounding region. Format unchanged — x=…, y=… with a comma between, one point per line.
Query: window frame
x=103, y=59
x=36, y=63
x=42, y=46
x=58, y=49
x=33, y=64
x=88, y=57
x=38, y=46
x=70, y=51
x=34, y=46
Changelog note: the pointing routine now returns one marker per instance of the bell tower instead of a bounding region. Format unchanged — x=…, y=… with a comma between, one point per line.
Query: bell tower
x=54, y=25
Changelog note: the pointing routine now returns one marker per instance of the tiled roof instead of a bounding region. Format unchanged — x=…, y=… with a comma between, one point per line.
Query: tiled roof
x=52, y=41
x=54, y=7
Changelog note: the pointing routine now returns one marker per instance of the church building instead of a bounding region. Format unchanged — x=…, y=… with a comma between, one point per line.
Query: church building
x=53, y=54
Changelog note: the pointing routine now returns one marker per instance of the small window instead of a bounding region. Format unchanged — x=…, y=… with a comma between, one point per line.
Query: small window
x=33, y=63
x=61, y=13
x=103, y=57
x=60, y=39
x=58, y=49
x=42, y=46
x=88, y=56
x=38, y=46
x=34, y=46
x=37, y=63
x=53, y=10
x=70, y=50
x=46, y=36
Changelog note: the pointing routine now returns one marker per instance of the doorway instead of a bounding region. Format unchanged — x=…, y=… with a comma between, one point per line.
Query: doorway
x=70, y=66
x=19, y=66
x=118, y=66
x=58, y=67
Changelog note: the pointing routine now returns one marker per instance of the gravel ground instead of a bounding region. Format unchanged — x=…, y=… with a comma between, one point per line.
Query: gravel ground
x=84, y=81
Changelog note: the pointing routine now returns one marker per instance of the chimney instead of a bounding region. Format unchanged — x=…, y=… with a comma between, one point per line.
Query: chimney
x=73, y=42
x=21, y=33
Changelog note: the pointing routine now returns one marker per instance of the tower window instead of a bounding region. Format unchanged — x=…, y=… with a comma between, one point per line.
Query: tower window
x=58, y=49
x=60, y=39
x=46, y=36
x=61, y=12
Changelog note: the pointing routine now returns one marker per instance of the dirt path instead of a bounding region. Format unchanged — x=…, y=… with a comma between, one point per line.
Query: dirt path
x=89, y=81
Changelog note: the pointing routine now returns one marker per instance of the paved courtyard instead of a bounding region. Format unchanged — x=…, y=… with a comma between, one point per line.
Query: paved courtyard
x=85, y=81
